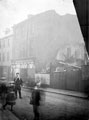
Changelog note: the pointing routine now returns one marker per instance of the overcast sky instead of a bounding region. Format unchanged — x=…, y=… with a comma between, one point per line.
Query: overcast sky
x=14, y=11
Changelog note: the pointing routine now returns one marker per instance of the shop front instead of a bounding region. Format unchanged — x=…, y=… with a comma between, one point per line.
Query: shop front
x=25, y=68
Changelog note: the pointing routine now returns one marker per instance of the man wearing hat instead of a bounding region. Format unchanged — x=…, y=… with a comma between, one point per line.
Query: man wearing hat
x=18, y=83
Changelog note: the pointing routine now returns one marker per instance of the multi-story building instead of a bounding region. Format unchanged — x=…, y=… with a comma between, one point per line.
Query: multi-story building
x=6, y=55
x=39, y=38
x=22, y=61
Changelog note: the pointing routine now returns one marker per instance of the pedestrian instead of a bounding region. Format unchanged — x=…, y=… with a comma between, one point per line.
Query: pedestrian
x=18, y=83
x=3, y=90
x=35, y=101
x=10, y=100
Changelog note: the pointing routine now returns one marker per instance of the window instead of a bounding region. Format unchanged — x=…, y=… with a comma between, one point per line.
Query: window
x=3, y=57
x=3, y=43
x=8, y=56
x=0, y=56
x=8, y=42
x=0, y=43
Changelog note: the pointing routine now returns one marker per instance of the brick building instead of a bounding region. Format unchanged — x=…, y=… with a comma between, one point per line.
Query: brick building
x=6, y=55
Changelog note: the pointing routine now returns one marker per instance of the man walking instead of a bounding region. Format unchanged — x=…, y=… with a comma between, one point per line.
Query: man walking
x=35, y=96
x=18, y=83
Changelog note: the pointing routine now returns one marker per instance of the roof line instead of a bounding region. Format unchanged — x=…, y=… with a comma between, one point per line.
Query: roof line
x=70, y=65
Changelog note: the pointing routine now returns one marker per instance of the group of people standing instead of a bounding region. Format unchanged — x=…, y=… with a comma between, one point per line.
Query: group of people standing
x=34, y=99
x=35, y=95
x=8, y=95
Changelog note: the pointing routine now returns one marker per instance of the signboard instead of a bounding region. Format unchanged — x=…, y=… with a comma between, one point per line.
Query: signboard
x=43, y=78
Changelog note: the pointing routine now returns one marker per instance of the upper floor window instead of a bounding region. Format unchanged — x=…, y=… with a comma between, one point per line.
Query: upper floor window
x=8, y=42
x=3, y=57
x=8, y=57
x=0, y=56
x=3, y=42
x=0, y=43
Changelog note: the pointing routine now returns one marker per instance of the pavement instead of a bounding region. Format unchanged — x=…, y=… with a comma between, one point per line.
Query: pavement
x=63, y=92
x=7, y=115
x=67, y=92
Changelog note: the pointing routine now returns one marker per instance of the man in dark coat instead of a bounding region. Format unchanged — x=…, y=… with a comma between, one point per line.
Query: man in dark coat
x=18, y=83
x=36, y=101
x=3, y=94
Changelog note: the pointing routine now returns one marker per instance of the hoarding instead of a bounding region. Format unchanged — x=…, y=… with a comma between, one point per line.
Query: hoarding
x=43, y=78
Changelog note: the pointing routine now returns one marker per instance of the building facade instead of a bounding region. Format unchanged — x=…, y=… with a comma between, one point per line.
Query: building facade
x=23, y=61
x=38, y=39
x=6, y=56
x=41, y=36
